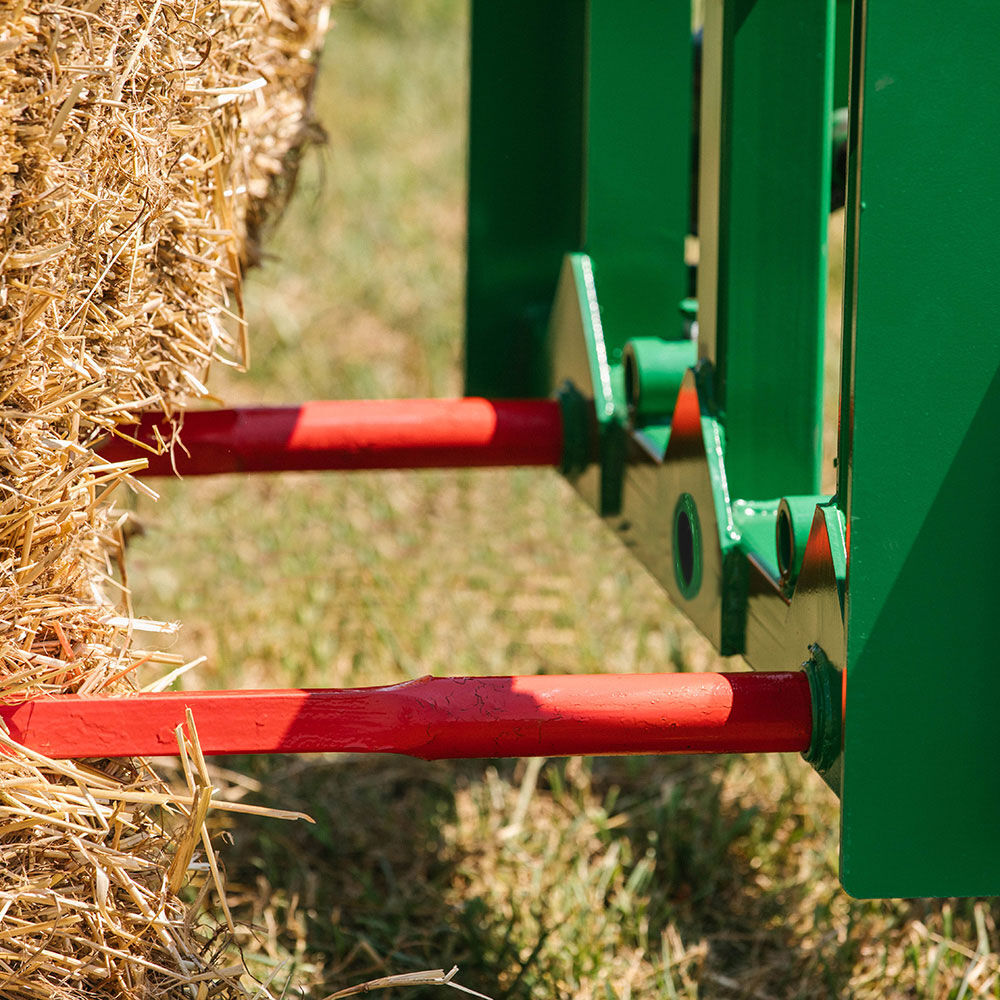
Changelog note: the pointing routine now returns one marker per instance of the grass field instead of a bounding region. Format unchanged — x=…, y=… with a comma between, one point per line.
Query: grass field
x=608, y=878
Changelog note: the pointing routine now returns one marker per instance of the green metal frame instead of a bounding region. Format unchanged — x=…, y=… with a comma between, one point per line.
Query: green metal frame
x=921, y=803
x=765, y=181
x=638, y=164
x=525, y=185
x=579, y=140
x=705, y=459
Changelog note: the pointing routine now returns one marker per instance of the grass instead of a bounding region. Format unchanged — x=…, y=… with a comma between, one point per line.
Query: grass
x=610, y=878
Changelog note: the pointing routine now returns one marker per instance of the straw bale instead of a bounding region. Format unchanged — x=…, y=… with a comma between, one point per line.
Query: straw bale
x=139, y=143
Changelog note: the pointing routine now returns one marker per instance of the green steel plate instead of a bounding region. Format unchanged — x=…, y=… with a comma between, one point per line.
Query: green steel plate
x=921, y=786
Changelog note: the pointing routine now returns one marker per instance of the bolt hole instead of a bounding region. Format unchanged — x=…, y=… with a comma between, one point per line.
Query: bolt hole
x=687, y=546
x=786, y=542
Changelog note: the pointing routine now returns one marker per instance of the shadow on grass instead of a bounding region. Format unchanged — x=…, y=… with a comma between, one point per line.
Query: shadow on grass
x=354, y=896
x=382, y=883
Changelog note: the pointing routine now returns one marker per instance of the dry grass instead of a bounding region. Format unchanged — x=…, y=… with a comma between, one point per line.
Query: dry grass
x=92, y=861
x=138, y=143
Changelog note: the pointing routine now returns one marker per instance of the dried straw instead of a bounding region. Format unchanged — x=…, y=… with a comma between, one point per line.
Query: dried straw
x=138, y=146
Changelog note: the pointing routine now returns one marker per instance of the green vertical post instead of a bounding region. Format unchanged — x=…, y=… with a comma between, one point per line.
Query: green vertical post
x=525, y=184
x=921, y=788
x=767, y=78
x=637, y=201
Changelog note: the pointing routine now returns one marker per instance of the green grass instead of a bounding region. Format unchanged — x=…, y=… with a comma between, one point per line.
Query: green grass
x=610, y=878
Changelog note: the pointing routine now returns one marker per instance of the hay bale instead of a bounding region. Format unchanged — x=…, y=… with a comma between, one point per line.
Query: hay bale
x=138, y=146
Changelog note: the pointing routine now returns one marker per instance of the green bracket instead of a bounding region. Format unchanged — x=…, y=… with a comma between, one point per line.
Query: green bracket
x=760, y=572
x=581, y=439
x=580, y=357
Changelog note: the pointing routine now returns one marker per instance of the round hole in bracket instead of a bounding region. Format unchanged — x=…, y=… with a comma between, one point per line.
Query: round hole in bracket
x=687, y=546
x=785, y=539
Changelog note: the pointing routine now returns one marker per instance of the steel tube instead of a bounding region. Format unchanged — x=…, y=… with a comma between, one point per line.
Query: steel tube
x=442, y=717
x=350, y=434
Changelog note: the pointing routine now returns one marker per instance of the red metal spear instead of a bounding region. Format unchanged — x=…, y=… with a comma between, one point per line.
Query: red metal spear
x=442, y=717
x=351, y=434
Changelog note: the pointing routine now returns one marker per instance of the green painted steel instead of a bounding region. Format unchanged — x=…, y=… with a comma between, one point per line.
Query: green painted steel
x=842, y=65
x=579, y=140
x=755, y=522
x=583, y=370
x=794, y=524
x=765, y=178
x=525, y=185
x=654, y=370
x=638, y=165
x=663, y=478
x=921, y=786
x=578, y=156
